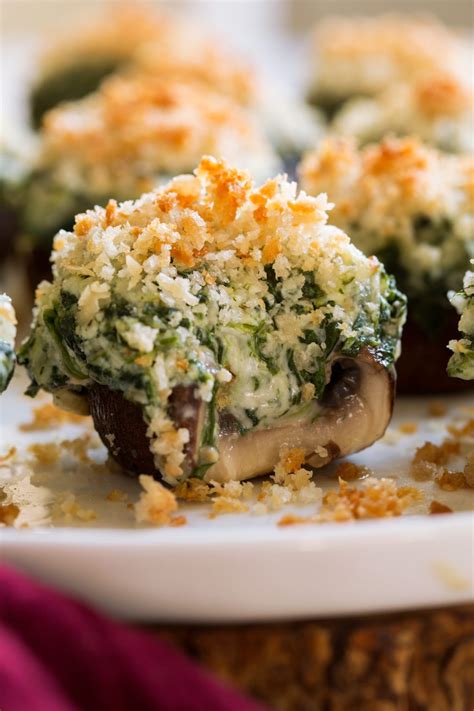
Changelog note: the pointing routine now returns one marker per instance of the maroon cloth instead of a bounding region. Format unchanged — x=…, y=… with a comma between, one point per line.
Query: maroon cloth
x=57, y=654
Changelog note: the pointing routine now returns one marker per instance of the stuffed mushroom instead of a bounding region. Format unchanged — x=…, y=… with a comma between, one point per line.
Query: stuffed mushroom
x=75, y=65
x=197, y=57
x=360, y=57
x=121, y=141
x=438, y=109
x=412, y=206
x=461, y=364
x=7, y=341
x=211, y=323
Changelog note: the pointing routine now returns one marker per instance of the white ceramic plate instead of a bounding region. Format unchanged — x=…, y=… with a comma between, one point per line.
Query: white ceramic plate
x=240, y=567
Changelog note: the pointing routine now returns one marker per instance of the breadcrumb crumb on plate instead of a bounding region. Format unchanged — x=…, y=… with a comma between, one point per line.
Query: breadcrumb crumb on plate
x=213, y=551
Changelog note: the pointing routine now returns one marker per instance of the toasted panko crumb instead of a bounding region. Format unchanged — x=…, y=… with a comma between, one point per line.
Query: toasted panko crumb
x=193, y=490
x=227, y=505
x=469, y=471
x=117, y=495
x=430, y=460
x=156, y=503
x=408, y=428
x=293, y=519
x=451, y=481
x=348, y=471
x=8, y=514
x=45, y=452
x=437, y=409
x=78, y=448
x=465, y=430
x=377, y=498
x=4, y=458
x=66, y=506
x=47, y=417
x=438, y=508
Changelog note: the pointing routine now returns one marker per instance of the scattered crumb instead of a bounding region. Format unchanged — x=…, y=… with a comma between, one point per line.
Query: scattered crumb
x=156, y=503
x=436, y=408
x=451, y=481
x=348, y=471
x=465, y=430
x=178, y=521
x=438, y=508
x=469, y=471
x=48, y=417
x=293, y=520
x=8, y=514
x=79, y=447
x=4, y=458
x=117, y=495
x=227, y=505
x=193, y=490
x=45, y=452
x=408, y=428
x=66, y=506
x=376, y=498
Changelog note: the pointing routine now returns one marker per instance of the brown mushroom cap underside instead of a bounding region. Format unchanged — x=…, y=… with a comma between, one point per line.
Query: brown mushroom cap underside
x=354, y=413
x=421, y=369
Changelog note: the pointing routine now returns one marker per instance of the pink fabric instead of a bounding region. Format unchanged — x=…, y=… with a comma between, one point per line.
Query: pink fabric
x=57, y=654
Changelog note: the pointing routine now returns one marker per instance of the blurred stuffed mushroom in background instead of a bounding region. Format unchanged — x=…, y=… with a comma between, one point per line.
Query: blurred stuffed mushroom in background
x=211, y=323
x=438, y=109
x=121, y=141
x=355, y=58
x=75, y=65
x=413, y=207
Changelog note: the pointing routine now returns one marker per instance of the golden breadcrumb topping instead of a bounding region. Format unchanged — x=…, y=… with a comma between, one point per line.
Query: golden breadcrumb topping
x=118, y=34
x=194, y=57
x=135, y=129
x=381, y=192
x=363, y=55
x=437, y=108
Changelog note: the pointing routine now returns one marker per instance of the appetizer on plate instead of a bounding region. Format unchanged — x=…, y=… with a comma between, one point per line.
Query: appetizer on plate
x=413, y=207
x=7, y=341
x=211, y=323
x=292, y=127
x=123, y=139
x=75, y=66
x=438, y=109
x=361, y=57
x=461, y=364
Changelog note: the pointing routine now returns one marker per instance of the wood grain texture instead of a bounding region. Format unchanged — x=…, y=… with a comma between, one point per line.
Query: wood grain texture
x=417, y=661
